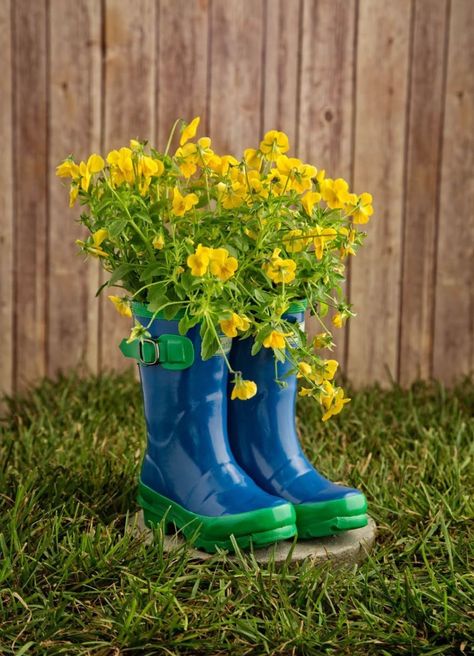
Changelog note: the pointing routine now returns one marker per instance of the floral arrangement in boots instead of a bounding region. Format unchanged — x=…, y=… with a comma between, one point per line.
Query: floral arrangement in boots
x=218, y=258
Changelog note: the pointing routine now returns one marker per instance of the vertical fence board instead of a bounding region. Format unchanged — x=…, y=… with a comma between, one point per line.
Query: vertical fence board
x=423, y=148
x=236, y=75
x=382, y=72
x=326, y=99
x=75, y=47
x=454, y=313
x=182, y=64
x=30, y=179
x=6, y=204
x=129, y=112
x=336, y=75
x=280, y=73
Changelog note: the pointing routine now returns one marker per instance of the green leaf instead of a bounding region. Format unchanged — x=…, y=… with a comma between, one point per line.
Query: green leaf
x=120, y=272
x=151, y=270
x=323, y=309
x=116, y=227
x=157, y=297
x=186, y=323
x=256, y=347
x=171, y=311
x=209, y=344
x=279, y=355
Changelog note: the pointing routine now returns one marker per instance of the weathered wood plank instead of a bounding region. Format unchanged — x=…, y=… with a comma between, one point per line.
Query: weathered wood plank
x=6, y=203
x=421, y=205
x=30, y=180
x=74, y=118
x=454, y=303
x=325, y=122
x=181, y=64
x=129, y=112
x=280, y=73
x=235, y=98
x=382, y=73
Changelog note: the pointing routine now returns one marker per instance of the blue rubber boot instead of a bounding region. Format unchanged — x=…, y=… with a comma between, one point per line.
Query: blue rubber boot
x=264, y=440
x=189, y=477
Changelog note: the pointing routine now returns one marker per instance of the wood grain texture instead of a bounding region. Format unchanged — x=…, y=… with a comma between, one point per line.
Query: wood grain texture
x=421, y=203
x=182, y=65
x=235, y=97
x=74, y=112
x=326, y=109
x=129, y=112
x=379, y=93
x=280, y=67
x=454, y=302
x=30, y=164
x=381, y=99
x=6, y=203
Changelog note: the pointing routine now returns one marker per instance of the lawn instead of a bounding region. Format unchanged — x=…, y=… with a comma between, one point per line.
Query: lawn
x=74, y=581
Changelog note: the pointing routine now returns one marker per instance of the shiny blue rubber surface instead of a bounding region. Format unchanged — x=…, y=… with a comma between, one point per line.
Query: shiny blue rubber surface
x=188, y=458
x=263, y=435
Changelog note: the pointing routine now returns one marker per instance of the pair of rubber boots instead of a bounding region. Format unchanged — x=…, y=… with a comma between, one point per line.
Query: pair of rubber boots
x=215, y=467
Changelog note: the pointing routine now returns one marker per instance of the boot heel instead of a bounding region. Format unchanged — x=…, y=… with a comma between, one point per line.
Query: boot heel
x=158, y=514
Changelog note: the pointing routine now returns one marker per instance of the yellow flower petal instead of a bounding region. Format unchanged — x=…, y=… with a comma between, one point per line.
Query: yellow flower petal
x=121, y=305
x=189, y=131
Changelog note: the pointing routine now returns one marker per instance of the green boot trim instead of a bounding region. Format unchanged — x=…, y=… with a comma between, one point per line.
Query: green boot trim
x=256, y=527
x=319, y=519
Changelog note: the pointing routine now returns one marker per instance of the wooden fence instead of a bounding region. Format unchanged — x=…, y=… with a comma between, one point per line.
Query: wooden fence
x=379, y=92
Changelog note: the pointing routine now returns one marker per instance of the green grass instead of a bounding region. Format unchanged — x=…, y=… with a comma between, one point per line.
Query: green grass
x=73, y=581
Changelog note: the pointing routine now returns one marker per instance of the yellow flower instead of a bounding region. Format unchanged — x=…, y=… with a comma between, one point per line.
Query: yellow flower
x=301, y=175
x=222, y=265
x=274, y=144
x=324, y=236
x=363, y=210
x=73, y=192
x=230, y=326
x=304, y=370
x=322, y=340
x=121, y=305
x=148, y=167
x=189, y=131
x=280, y=270
x=309, y=200
x=97, y=238
x=121, y=166
x=335, y=192
x=326, y=372
x=68, y=169
x=158, y=242
x=338, y=320
x=243, y=389
x=347, y=249
x=187, y=159
x=135, y=145
x=232, y=195
x=275, y=340
x=95, y=163
x=199, y=261
x=182, y=204
x=294, y=241
x=337, y=403
x=252, y=158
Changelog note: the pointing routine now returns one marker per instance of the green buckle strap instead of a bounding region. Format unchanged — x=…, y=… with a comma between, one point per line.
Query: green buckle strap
x=173, y=352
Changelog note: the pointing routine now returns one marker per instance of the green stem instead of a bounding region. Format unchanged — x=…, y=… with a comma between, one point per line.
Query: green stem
x=170, y=138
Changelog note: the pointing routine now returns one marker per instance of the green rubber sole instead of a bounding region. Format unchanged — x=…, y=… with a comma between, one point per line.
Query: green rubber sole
x=255, y=528
x=324, y=518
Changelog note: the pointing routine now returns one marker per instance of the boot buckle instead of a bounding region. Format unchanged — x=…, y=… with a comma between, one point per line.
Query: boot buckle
x=141, y=354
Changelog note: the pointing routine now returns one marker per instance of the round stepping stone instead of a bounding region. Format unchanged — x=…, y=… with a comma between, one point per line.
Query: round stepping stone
x=348, y=548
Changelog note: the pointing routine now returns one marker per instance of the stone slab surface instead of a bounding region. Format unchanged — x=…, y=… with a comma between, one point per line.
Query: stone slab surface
x=346, y=548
